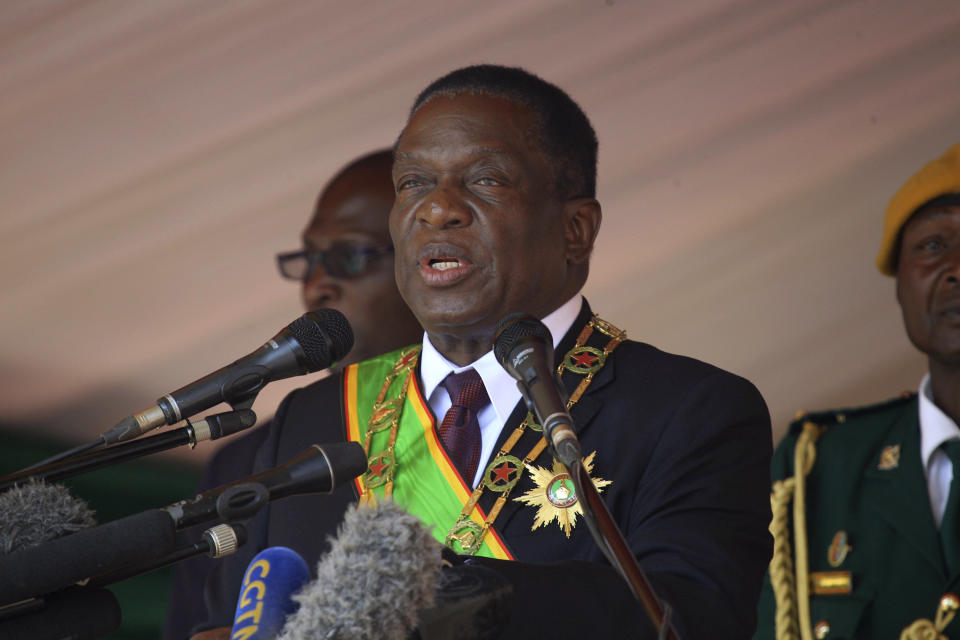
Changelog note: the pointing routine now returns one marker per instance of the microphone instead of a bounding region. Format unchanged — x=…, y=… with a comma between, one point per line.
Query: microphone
x=381, y=568
x=318, y=469
x=272, y=577
x=216, y=542
x=30, y=515
x=150, y=536
x=57, y=563
x=310, y=343
x=37, y=512
x=524, y=347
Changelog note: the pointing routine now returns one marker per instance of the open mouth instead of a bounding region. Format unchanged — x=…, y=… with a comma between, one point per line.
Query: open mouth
x=443, y=265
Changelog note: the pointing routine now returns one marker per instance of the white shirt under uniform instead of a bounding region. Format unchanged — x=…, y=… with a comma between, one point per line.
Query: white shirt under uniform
x=936, y=427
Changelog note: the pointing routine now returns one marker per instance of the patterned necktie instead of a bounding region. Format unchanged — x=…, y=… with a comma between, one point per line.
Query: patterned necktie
x=460, y=430
x=950, y=524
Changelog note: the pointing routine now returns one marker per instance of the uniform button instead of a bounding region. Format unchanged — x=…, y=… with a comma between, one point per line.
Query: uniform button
x=821, y=629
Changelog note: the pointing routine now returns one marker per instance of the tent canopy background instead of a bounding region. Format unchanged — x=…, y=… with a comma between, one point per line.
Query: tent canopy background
x=155, y=157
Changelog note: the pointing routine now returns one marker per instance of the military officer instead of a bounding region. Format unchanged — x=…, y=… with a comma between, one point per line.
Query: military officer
x=865, y=520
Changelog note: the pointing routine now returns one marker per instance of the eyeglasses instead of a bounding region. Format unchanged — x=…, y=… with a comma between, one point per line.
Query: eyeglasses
x=339, y=262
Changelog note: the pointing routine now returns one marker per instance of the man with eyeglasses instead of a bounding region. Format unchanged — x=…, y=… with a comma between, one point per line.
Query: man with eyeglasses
x=347, y=259
x=346, y=263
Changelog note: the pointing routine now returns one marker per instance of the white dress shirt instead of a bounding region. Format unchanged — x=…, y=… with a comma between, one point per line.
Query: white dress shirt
x=501, y=388
x=936, y=427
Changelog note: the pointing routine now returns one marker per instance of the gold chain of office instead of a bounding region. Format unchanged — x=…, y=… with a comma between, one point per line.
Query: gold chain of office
x=504, y=470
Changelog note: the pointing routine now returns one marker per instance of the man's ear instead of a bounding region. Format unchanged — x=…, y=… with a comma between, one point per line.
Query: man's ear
x=581, y=225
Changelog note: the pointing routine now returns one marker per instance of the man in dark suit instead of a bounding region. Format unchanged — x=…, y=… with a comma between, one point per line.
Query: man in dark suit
x=345, y=263
x=867, y=532
x=495, y=213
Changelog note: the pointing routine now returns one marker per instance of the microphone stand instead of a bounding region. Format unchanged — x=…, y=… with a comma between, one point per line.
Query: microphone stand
x=216, y=542
x=211, y=428
x=614, y=546
x=523, y=346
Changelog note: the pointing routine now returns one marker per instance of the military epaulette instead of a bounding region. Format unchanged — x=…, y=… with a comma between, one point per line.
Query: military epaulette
x=832, y=417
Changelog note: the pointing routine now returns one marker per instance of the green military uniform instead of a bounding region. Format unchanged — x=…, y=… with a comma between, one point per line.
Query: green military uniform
x=856, y=550
x=873, y=550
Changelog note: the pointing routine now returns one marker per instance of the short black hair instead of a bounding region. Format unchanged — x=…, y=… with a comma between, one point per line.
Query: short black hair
x=564, y=132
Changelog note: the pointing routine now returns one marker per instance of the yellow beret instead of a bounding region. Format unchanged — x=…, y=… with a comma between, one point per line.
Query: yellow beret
x=940, y=177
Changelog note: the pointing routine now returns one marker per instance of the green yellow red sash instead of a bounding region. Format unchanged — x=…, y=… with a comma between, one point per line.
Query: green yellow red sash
x=407, y=461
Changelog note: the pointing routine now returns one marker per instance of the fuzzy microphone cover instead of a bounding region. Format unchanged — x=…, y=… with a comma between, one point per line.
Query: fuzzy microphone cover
x=37, y=512
x=382, y=567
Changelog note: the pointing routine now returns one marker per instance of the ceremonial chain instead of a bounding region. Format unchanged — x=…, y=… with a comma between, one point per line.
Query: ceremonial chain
x=581, y=359
x=505, y=470
x=386, y=414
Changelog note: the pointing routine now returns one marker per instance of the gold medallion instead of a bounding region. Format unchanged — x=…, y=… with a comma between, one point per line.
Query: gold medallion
x=555, y=496
x=407, y=361
x=379, y=469
x=608, y=329
x=503, y=473
x=384, y=414
x=465, y=536
x=584, y=359
x=889, y=458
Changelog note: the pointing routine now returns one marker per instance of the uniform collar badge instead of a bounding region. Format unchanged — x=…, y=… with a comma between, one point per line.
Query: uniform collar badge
x=889, y=458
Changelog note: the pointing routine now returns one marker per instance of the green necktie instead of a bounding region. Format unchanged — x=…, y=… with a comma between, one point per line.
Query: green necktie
x=950, y=524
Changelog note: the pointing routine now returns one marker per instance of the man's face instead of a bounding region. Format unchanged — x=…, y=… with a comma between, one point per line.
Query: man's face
x=353, y=212
x=478, y=230
x=928, y=282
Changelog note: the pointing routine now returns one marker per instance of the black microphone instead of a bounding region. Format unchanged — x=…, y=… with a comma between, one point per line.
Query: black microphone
x=319, y=469
x=216, y=542
x=52, y=565
x=524, y=347
x=150, y=536
x=310, y=343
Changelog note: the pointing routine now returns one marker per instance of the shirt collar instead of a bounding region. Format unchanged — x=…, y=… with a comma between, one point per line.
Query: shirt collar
x=501, y=387
x=936, y=427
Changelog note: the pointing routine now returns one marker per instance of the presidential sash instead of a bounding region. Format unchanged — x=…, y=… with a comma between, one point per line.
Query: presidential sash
x=387, y=413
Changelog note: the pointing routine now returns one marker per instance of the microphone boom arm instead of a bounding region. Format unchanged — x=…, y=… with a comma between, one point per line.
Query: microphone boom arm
x=211, y=428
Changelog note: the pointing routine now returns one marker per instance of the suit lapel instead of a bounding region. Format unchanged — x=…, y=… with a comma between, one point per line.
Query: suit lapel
x=898, y=493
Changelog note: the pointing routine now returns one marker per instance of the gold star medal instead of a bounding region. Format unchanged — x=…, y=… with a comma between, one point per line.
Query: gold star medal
x=555, y=496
